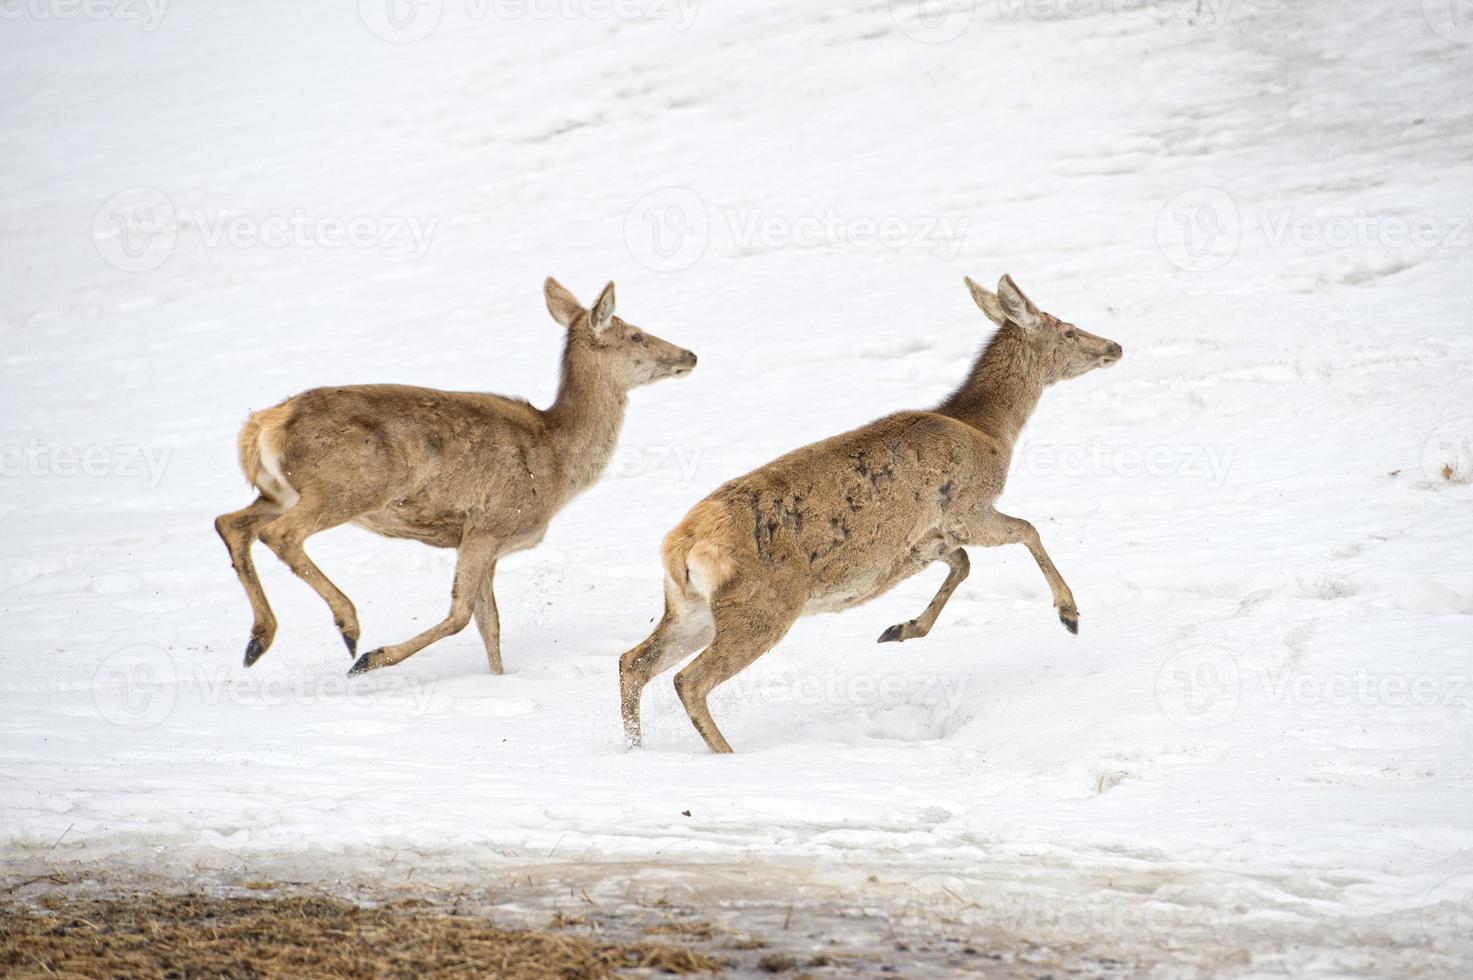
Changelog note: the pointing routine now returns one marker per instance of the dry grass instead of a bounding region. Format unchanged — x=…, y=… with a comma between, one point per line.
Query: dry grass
x=690, y=930
x=187, y=936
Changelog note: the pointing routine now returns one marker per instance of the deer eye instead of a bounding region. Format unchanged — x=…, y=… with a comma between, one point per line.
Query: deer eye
x=636, y=337
x=1069, y=334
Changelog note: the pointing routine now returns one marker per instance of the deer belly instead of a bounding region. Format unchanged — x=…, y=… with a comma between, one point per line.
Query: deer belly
x=837, y=600
x=856, y=591
x=393, y=523
x=860, y=586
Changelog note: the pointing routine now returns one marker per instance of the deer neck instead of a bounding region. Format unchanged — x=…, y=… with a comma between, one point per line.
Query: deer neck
x=584, y=422
x=1002, y=390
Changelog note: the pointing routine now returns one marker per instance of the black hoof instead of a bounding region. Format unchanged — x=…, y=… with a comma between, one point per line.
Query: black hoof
x=892, y=635
x=254, y=651
x=352, y=644
x=369, y=661
x=1071, y=623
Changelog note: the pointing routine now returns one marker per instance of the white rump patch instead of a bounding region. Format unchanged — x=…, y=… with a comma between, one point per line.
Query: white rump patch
x=271, y=479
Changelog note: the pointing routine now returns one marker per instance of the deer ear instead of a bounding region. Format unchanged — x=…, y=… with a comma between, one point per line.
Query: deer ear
x=1019, y=308
x=988, y=303
x=603, y=310
x=561, y=303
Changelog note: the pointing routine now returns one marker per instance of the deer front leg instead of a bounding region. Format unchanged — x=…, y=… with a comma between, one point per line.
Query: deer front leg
x=488, y=622
x=922, y=624
x=993, y=529
x=476, y=557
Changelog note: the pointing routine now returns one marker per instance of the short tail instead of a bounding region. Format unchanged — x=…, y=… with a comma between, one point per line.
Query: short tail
x=698, y=555
x=261, y=442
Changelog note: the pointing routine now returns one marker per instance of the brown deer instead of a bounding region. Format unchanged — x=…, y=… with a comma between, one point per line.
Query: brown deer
x=841, y=521
x=475, y=472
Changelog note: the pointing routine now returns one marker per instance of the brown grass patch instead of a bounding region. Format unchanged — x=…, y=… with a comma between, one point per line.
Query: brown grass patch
x=690, y=930
x=188, y=936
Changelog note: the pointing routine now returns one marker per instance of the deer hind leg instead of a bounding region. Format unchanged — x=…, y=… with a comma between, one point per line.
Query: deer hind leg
x=287, y=535
x=488, y=621
x=993, y=529
x=921, y=625
x=476, y=557
x=743, y=633
x=684, y=629
x=239, y=530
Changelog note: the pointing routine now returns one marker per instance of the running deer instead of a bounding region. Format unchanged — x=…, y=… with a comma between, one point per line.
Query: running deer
x=475, y=472
x=839, y=522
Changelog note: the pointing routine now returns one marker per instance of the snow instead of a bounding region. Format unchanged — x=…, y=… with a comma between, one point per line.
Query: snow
x=1254, y=760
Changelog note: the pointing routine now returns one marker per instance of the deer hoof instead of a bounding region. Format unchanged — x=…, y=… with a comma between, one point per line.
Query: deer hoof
x=1070, y=620
x=352, y=644
x=254, y=650
x=894, y=634
x=372, y=660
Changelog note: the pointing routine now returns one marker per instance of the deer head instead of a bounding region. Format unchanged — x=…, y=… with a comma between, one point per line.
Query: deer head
x=629, y=356
x=1057, y=350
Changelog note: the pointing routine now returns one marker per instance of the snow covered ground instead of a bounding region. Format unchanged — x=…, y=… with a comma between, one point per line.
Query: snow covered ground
x=1257, y=756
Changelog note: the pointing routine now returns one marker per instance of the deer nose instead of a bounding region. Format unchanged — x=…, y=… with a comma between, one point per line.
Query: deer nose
x=1114, y=353
x=687, y=363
